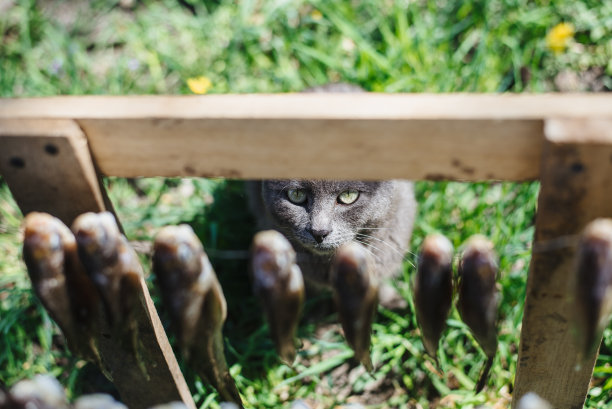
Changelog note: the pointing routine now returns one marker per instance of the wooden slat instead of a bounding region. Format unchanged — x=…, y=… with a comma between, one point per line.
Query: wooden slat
x=576, y=188
x=313, y=106
x=43, y=160
x=163, y=381
x=347, y=136
x=317, y=149
x=48, y=168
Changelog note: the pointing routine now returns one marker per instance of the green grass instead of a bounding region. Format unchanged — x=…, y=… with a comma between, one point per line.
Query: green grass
x=50, y=48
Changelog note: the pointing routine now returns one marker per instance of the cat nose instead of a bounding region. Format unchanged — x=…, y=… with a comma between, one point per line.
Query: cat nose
x=319, y=234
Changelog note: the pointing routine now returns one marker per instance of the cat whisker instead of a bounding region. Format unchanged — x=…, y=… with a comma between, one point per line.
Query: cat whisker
x=344, y=237
x=411, y=258
x=374, y=228
x=390, y=246
x=371, y=247
x=366, y=247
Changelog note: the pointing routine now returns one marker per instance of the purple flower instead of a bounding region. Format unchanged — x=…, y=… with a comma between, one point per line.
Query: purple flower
x=133, y=64
x=56, y=66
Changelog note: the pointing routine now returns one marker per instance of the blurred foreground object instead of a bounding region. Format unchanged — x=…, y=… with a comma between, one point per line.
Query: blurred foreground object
x=592, y=287
x=171, y=405
x=433, y=289
x=479, y=297
x=356, y=296
x=45, y=392
x=98, y=401
x=196, y=302
x=92, y=284
x=531, y=400
x=59, y=281
x=115, y=270
x=278, y=282
x=40, y=392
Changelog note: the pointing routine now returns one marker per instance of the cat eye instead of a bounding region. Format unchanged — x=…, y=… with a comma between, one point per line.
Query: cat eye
x=348, y=197
x=296, y=196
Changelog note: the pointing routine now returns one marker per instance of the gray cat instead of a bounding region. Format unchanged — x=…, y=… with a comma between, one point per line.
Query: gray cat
x=318, y=216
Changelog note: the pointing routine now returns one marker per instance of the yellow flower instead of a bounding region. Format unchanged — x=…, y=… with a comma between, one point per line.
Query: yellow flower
x=199, y=85
x=316, y=15
x=559, y=36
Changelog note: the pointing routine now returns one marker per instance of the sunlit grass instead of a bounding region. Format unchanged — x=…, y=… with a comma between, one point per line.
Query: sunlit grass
x=98, y=47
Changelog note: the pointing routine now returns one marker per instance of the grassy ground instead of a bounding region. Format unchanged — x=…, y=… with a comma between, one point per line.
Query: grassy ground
x=105, y=47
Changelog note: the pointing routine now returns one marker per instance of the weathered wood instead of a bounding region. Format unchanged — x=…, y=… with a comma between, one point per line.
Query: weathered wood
x=163, y=381
x=464, y=137
x=576, y=184
x=45, y=160
x=48, y=168
x=317, y=149
x=349, y=136
x=309, y=106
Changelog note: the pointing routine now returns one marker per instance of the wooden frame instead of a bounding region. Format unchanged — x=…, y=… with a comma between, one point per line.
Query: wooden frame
x=48, y=167
x=563, y=140
x=455, y=136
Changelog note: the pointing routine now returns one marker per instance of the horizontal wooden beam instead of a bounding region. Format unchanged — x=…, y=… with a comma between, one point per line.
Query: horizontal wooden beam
x=317, y=149
x=313, y=106
x=342, y=136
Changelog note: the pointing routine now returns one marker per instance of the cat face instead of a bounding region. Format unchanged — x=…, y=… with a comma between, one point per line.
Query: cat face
x=322, y=215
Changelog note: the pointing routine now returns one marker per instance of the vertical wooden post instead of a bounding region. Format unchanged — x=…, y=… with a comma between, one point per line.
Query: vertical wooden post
x=576, y=188
x=48, y=168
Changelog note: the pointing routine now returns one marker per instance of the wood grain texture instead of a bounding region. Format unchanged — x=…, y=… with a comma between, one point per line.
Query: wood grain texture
x=313, y=106
x=163, y=381
x=576, y=184
x=48, y=168
x=347, y=136
x=317, y=149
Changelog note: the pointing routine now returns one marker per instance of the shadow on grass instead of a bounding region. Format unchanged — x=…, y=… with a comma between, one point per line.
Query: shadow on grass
x=226, y=229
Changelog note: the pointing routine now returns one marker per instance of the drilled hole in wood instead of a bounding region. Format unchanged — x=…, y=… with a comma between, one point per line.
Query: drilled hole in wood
x=17, y=162
x=51, y=149
x=577, y=167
